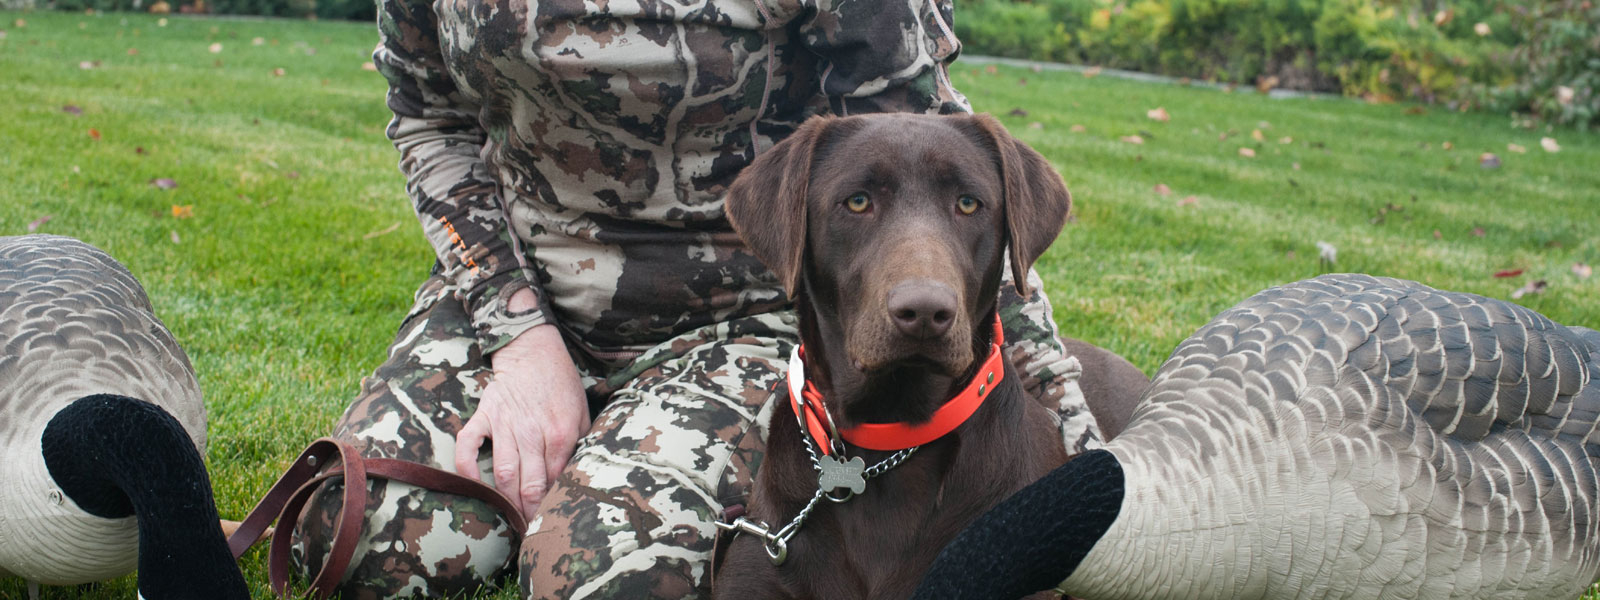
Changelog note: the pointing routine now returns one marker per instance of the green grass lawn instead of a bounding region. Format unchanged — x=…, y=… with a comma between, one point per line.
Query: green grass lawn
x=298, y=252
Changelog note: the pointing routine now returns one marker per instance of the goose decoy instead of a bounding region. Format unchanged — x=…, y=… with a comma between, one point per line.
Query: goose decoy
x=101, y=432
x=1341, y=437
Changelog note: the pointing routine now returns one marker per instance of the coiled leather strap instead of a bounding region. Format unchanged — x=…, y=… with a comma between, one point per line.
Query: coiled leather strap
x=327, y=459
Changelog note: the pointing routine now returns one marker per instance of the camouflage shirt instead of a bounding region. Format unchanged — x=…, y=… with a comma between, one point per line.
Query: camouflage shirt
x=582, y=149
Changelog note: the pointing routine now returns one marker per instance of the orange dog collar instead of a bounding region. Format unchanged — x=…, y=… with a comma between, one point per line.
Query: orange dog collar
x=807, y=402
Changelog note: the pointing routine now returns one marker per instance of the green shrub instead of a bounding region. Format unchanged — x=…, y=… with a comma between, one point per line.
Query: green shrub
x=352, y=10
x=1430, y=50
x=1014, y=30
x=1558, y=64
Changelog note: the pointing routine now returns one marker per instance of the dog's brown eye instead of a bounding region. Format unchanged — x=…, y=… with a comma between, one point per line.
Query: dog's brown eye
x=968, y=205
x=858, y=203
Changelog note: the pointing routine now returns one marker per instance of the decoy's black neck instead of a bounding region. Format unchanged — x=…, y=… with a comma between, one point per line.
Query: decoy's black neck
x=116, y=456
x=1033, y=540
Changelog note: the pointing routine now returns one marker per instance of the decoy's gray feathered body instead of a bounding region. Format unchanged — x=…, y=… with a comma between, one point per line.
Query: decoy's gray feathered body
x=1345, y=436
x=74, y=323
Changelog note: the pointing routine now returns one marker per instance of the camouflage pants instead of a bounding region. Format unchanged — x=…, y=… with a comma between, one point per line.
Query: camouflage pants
x=678, y=438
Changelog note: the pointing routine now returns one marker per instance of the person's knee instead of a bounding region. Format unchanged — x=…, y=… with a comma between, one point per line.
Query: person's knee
x=414, y=542
x=650, y=540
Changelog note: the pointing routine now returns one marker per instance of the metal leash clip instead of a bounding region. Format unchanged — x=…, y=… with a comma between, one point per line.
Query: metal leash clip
x=777, y=548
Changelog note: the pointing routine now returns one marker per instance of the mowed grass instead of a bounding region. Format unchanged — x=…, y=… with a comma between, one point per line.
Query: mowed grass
x=301, y=253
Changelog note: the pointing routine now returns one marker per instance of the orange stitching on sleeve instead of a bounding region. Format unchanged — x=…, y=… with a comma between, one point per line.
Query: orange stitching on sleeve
x=455, y=238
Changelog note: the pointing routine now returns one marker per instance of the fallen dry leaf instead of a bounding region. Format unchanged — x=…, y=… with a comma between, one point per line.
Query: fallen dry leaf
x=174, y=236
x=215, y=48
x=133, y=52
x=139, y=150
x=990, y=69
x=1036, y=125
x=1532, y=287
x=1488, y=161
x=1159, y=114
x=1020, y=80
x=385, y=231
x=164, y=183
x=1516, y=148
x=88, y=64
x=368, y=66
x=1482, y=29
x=1564, y=95
x=1446, y=146
x=1018, y=112
x=1189, y=201
x=257, y=41
x=1416, y=110
x=1265, y=84
x=19, y=23
x=72, y=109
x=1477, y=232
x=1255, y=134
x=1247, y=152
x=1132, y=139
x=1286, y=140
x=1549, y=144
x=1437, y=235
x=278, y=72
x=1222, y=137
x=94, y=134
x=182, y=211
x=1583, y=271
x=39, y=222
x=1443, y=16
x=1075, y=128
x=162, y=22
x=292, y=174
x=1507, y=273
x=1091, y=71
x=1295, y=166
x=1161, y=188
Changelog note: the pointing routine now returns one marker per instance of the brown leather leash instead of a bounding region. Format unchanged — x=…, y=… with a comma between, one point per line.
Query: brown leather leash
x=327, y=459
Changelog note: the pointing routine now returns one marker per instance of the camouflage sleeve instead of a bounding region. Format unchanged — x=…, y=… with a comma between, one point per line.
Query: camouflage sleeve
x=436, y=130
x=885, y=55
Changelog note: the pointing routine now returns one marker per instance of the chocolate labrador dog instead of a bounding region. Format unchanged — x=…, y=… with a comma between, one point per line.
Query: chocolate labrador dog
x=891, y=234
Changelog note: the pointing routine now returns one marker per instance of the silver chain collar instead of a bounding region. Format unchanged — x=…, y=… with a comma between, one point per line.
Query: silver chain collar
x=832, y=474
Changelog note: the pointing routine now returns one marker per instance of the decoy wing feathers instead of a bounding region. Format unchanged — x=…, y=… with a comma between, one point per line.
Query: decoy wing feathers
x=74, y=322
x=1458, y=431
x=1464, y=364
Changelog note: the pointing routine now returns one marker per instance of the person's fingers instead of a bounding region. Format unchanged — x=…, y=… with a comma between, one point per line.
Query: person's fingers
x=557, y=451
x=468, y=441
x=507, y=462
x=535, y=480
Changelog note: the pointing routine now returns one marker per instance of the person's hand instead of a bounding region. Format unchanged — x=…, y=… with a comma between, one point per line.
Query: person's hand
x=534, y=409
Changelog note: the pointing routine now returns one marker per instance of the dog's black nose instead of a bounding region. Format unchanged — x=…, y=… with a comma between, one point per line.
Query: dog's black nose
x=922, y=309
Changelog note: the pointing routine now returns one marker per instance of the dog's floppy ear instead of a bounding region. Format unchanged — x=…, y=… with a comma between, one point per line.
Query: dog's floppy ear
x=1036, y=200
x=767, y=202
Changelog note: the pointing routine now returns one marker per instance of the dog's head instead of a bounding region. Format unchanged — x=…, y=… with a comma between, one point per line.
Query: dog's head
x=894, y=229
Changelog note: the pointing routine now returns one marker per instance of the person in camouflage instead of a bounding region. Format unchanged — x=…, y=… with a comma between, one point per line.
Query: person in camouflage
x=567, y=161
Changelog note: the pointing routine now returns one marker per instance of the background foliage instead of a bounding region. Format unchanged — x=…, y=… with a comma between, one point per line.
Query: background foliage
x=1538, y=60
x=1514, y=56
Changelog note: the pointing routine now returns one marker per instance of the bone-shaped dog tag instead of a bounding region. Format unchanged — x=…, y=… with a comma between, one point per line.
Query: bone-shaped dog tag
x=847, y=474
